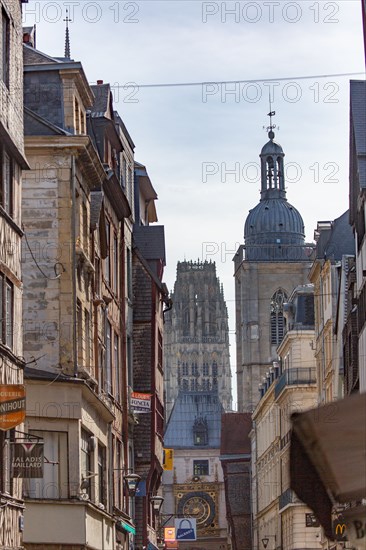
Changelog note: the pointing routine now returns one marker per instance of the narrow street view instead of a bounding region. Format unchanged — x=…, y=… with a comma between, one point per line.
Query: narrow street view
x=182, y=275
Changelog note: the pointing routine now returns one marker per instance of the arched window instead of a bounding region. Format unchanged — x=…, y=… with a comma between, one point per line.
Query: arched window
x=200, y=432
x=277, y=319
x=270, y=174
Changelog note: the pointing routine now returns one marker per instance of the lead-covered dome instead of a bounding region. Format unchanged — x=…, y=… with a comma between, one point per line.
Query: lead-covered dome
x=274, y=221
x=274, y=229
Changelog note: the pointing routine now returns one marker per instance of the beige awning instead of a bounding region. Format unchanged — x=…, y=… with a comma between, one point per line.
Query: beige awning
x=329, y=445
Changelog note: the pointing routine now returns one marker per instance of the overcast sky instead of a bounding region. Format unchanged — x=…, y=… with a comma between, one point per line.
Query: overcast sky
x=201, y=143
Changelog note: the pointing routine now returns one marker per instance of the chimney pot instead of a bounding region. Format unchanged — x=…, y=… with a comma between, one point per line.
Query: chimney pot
x=99, y=82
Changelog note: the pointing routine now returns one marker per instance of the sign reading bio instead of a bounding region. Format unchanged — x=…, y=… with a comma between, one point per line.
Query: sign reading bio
x=12, y=405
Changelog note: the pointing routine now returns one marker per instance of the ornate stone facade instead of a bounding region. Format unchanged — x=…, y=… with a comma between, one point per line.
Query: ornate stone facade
x=197, y=335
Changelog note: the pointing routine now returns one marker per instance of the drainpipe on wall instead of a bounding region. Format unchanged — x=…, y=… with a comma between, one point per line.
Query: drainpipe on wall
x=73, y=263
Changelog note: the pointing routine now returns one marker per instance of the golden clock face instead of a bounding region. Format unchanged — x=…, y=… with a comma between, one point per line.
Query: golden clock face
x=199, y=506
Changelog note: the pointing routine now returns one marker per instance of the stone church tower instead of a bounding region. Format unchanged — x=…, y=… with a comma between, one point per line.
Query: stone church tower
x=197, y=336
x=272, y=262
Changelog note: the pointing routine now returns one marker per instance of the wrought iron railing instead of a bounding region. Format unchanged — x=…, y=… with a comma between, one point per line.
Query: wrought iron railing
x=295, y=377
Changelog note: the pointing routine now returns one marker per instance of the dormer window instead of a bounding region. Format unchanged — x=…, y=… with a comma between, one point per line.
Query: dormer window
x=200, y=432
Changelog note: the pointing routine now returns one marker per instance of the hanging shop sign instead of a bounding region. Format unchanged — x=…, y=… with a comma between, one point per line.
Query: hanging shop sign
x=12, y=405
x=168, y=458
x=185, y=529
x=169, y=533
x=141, y=402
x=27, y=459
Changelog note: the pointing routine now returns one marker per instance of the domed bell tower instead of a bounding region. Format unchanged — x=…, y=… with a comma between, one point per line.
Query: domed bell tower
x=270, y=264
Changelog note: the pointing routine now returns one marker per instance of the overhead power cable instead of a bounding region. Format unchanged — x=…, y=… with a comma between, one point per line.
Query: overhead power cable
x=221, y=82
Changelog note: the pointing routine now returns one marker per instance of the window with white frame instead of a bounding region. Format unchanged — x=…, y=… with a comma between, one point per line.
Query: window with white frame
x=9, y=175
x=115, y=264
x=108, y=358
x=107, y=261
x=116, y=367
x=6, y=311
x=200, y=468
x=54, y=483
x=101, y=473
x=85, y=462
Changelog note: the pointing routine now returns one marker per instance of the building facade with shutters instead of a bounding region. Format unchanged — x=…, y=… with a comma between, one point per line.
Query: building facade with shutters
x=280, y=520
x=357, y=211
x=78, y=219
x=273, y=260
x=331, y=275
x=149, y=296
x=12, y=161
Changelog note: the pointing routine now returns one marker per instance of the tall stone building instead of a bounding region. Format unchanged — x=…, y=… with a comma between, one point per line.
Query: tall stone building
x=273, y=260
x=93, y=315
x=12, y=160
x=197, y=354
x=197, y=393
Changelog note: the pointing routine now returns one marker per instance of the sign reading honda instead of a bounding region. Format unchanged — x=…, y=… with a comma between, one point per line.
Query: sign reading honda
x=141, y=402
x=27, y=459
x=185, y=529
x=12, y=405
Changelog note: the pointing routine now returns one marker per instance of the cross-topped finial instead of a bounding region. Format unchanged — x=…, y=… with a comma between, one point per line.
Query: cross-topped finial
x=67, y=35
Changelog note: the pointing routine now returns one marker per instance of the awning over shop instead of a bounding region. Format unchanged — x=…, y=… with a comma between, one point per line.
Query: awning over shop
x=126, y=526
x=328, y=456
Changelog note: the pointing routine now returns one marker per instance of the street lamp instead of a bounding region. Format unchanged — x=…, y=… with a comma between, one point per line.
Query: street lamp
x=132, y=480
x=157, y=502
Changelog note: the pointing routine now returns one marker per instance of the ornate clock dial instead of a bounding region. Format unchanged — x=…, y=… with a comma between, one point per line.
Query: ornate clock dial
x=198, y=505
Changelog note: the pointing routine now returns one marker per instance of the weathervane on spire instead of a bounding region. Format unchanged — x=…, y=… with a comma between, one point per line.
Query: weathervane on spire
x=271, y=126
x=67, y=35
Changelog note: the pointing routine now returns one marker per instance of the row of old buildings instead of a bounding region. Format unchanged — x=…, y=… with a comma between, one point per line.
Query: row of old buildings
x=82, y=300
x=300, y=325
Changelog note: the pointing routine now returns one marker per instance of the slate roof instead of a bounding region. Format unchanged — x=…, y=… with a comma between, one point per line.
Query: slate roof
x=101, y=102
x=120, y=123
x=35, y=125
x=187, y=408
x=150, y=240
x=358, y=112
x=337, y=241
x=32, y=56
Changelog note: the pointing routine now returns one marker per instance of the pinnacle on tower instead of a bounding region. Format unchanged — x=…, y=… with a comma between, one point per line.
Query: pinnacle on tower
x=67, y=35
